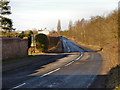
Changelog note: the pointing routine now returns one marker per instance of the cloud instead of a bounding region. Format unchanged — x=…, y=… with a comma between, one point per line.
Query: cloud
x=27, y=14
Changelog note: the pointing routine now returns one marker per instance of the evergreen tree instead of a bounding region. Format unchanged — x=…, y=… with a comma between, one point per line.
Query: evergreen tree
x=59, y=27
x=5, y=23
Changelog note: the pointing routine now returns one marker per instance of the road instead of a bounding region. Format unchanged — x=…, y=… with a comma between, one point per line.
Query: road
x=77, y=69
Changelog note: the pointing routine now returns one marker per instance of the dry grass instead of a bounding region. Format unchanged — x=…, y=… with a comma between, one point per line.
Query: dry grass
x=99, y=32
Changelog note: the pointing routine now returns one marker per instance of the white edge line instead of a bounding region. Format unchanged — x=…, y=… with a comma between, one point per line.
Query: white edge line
x=18, y=86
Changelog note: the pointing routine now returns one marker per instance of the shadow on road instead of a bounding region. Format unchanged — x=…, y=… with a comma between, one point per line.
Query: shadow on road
x=21, y=73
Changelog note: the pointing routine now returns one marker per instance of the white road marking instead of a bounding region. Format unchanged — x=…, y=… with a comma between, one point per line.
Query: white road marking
x=51, y=72
x=18, y=86
x=91, y=81
x=65, y=45
x=68, y=48
x=80, y=56
x=40, y=77
x=76, y=59
x=93, y=78
x=69, y=63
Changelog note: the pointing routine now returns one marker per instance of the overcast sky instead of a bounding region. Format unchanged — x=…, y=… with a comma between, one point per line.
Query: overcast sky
x=30, y=14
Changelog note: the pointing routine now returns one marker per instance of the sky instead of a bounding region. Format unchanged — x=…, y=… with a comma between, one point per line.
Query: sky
x=37, y=14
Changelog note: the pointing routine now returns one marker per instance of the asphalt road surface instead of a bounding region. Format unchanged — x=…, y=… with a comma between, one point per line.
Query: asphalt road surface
x=77, y=70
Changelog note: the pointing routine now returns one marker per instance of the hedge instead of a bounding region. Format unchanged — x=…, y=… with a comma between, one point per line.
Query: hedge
x=41, y=42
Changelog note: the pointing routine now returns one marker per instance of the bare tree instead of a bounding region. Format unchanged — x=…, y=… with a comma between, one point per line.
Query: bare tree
x=70, y=25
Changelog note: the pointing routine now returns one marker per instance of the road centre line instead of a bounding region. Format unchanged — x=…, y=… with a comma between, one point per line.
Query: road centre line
x=51, y=72
x=76, y=59
x=40, y=77
x=80, y=56
x=18, y=86
x=91, y=81
x=69, y=63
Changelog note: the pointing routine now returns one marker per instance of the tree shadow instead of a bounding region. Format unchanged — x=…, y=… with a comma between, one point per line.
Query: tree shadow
x=21, y=73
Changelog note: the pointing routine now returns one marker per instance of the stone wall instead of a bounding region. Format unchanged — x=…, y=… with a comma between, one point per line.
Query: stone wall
x=0, y=49
x=14, y=48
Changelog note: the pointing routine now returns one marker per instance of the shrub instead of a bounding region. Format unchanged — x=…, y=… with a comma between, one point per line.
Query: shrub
x=29, y=38
x=21, y=35
x=41, y=42
x=113, y=78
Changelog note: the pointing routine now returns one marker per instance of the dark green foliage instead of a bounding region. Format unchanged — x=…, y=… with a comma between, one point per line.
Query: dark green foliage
x=30, y=32
x=41, y=42
x=21, y=35
x=29, y=38
x=113, y=78
x=6, y=23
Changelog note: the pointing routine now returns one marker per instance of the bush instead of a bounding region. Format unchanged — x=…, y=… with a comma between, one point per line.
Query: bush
x=41, y=42
x=113, y=78
x=21, y=35
x=29, y=38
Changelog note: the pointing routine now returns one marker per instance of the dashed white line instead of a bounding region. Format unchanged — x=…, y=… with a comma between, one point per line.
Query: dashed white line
x=41, y=77
x=51, y=72
x=18, y=86
x=76, y=59
x=80, y=56
x=91, y=81
x=69, y=63
x=93, y=78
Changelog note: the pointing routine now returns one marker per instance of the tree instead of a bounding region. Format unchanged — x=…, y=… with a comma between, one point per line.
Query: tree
x=30, y=32
x=5, y=23
x=59, y=27
x=70, y=25
x=41, y=42
x=29, y=38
